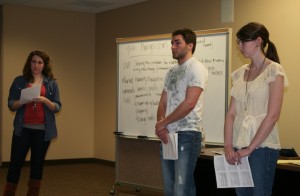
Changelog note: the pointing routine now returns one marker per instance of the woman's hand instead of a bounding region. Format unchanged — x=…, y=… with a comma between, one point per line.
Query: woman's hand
x=244, y=152
x=231, y=156
x=45, y=101
x=234, y=157
x=39, y=99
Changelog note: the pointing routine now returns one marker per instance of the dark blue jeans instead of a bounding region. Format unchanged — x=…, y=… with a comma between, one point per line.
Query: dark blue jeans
x=29, y=139
x=263, y=163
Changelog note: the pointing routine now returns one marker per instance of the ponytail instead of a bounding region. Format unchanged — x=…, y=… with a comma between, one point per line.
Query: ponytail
x=272, y=52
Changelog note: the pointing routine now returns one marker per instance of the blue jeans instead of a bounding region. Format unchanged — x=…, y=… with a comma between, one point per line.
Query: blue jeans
x=178, y=175
x=263, y=164
x=20, y=146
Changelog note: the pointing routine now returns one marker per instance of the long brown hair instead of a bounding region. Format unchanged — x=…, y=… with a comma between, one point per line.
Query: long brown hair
x=47, y=70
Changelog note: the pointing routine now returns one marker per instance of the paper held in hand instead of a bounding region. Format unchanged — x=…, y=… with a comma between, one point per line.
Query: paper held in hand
x=28, y=94
x=170, y=150
x=238, y=175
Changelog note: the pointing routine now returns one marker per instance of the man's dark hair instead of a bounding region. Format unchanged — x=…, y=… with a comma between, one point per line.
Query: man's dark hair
x=188, y=35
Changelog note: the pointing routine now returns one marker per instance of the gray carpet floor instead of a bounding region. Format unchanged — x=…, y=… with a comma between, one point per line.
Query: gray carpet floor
x=86, y=179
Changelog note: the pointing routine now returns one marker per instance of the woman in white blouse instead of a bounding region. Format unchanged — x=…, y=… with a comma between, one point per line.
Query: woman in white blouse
x=256, y=99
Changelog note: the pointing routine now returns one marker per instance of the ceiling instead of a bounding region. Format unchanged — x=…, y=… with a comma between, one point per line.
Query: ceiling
x=88, y=6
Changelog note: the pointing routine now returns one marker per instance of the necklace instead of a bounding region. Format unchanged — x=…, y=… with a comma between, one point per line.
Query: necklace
x=246, y=92
x=34, y=107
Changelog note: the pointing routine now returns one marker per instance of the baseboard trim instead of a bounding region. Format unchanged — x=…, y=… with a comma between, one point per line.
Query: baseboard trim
x=70, y=161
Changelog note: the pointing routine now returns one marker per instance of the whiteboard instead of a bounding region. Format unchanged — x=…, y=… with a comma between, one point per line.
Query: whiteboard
x=142, y=65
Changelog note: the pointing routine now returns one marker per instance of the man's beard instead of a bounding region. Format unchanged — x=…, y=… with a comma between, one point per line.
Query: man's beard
x=178, y=56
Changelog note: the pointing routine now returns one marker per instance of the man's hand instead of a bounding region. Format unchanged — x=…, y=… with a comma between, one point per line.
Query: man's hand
x=162, y=135
x=160, y=125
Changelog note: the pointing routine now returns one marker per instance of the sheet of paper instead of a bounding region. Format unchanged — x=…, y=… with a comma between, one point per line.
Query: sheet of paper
x=170, y=150
x=228, y=176
x=28, y=94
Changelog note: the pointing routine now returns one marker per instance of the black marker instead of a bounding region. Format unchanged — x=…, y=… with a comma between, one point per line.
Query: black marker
x=142, y=136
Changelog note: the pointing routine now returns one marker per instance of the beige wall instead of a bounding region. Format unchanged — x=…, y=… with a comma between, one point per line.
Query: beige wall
x=69, y=38
x=282, y=20
x=84, y=51
x=157, y=17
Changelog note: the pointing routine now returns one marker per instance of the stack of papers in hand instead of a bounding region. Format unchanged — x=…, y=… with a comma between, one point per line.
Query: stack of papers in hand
x=238, y=175
x=170, y=149
x=28, y=94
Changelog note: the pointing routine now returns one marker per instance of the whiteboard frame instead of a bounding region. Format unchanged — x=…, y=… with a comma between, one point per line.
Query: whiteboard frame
x=169, y=36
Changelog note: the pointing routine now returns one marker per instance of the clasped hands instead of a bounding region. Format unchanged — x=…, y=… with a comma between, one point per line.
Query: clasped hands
x=234, y=157
x=161, y=131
